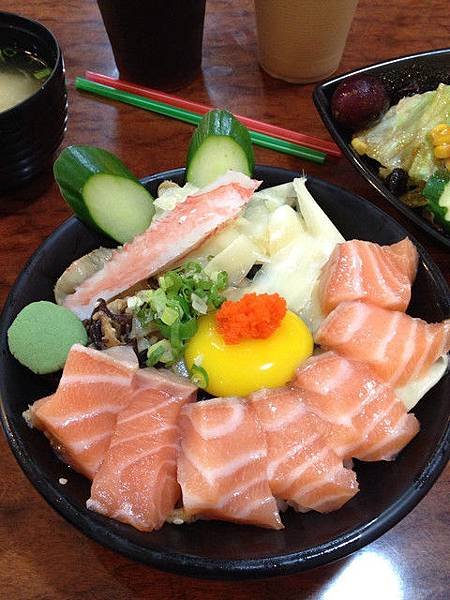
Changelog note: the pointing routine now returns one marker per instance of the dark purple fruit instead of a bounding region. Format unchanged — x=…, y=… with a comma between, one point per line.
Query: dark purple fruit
x=359, y=101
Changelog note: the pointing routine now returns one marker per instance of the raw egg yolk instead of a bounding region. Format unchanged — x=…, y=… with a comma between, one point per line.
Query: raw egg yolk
x=252, y=364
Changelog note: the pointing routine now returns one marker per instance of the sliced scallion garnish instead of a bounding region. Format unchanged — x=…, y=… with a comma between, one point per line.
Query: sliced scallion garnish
x=9, y=52
x=42, y=73
x=183, y=295
x=159, y=352
x=199, y=376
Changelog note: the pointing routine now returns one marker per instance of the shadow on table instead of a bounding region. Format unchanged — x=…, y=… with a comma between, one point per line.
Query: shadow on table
x=12, y=201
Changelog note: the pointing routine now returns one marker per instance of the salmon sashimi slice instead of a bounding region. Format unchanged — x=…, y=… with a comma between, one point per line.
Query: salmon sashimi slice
x=352, y=397
x=166, y=240
x=222, y=466
x=302, y=469
x=137, y=481
x=30, y=414
x=359, y=270
x=399, y=348
x=79, y=418
x=406, y=256
x=163, y=380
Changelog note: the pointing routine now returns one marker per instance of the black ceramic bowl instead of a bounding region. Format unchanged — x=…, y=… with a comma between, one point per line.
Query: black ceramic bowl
x=403, y=76
x=223, y=550
x=32, y=131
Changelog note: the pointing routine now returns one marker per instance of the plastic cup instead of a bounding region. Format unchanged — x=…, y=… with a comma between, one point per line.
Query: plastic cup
x=156, y=43
x=302, y=41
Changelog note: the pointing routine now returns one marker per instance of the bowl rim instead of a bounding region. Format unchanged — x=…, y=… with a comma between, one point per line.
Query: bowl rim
x=322, y=105
x=23, y=23
x=195, y=566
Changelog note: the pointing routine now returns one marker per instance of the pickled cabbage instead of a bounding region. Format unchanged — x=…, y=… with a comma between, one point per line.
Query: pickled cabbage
x=294, y=269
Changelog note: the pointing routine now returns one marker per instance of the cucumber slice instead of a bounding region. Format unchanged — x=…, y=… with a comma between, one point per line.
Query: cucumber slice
x=437, y=192
x=120, y=206
x=435, y=185
x=117, y=206
x=219, y=143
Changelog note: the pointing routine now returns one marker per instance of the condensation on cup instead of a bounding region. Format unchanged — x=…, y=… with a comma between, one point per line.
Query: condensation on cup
x=302, y=41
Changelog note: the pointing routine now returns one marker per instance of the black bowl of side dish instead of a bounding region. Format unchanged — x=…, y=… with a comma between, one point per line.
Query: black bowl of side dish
x=221, y=550
x=404, y=76
x=32, y=130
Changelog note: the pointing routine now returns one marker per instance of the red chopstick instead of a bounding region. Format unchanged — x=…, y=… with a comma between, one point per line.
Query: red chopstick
x=279, y=132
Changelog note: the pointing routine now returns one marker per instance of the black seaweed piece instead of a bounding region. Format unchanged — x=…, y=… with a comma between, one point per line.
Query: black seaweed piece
x=253, y=271
x=124, y=321
x=95, y=333
x=122, y=324
x=141, y=355
x=397, y=182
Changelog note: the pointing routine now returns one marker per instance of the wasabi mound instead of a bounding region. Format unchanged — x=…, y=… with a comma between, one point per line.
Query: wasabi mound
x=42, y=335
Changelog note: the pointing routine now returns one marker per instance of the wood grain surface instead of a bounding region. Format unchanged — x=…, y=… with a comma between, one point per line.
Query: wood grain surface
x=42, y=556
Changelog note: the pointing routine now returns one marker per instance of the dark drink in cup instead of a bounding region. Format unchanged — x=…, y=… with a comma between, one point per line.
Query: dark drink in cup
x=157, y=43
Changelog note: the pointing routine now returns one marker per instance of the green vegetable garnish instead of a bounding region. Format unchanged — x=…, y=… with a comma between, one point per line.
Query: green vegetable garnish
x=173, y=308
x=42, y=73
x=199, y=376
x=437, y=192
x=103, y=192
x=219, y=143
x=9, y=52
x=160, y=352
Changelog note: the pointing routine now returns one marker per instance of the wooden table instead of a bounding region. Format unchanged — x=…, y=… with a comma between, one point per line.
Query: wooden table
x=42, y=556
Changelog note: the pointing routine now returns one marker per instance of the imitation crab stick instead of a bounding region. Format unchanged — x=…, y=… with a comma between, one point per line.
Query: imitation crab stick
x=166, y=240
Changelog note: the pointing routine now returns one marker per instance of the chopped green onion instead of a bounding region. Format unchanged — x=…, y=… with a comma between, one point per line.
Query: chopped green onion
x=188, y=329
x=199, y=304
x=42, y=73
x=184, y=294
x=169, y=315
x=134, y=303
x=221, y=279
x=9, y=52
x=159, y=352
x=199, y=376
x=144, y=295
x=158, y=301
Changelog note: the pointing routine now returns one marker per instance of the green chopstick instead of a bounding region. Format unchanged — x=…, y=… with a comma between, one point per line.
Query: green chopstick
x=260, y=139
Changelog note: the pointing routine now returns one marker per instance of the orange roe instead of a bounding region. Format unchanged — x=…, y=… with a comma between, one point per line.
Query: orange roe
x=254, y=316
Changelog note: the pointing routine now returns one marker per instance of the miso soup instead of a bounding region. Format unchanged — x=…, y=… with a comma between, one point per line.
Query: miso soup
x=21, y=75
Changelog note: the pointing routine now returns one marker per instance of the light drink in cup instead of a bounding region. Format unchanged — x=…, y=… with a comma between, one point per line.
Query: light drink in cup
x=302, y=41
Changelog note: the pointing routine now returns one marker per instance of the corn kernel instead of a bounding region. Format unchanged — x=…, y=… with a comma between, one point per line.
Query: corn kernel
x=440, y=134
x=439, y=128
x=442, y=151
x=441, y=139
x=359, y=146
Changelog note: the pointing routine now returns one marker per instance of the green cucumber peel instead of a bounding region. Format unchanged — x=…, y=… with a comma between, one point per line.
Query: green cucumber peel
x=74, y=170
x=437, y=192
x=219, y=143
